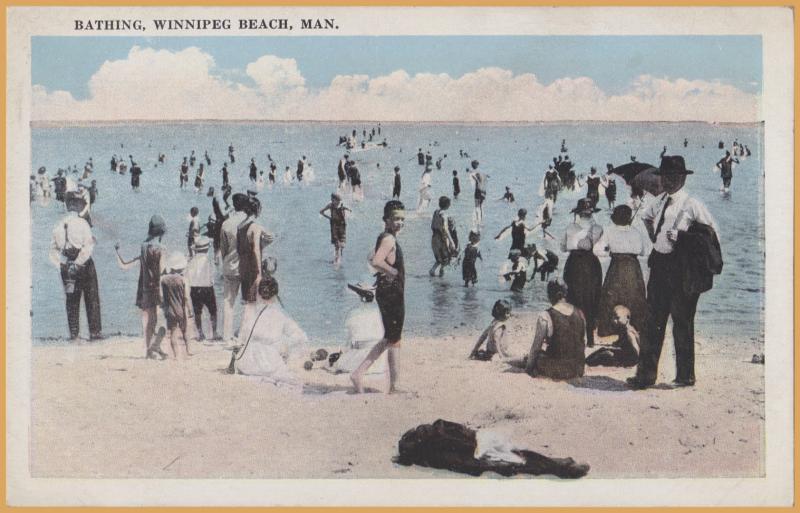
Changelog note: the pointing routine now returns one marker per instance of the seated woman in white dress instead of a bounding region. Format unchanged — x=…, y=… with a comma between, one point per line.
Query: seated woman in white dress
x=269, y=339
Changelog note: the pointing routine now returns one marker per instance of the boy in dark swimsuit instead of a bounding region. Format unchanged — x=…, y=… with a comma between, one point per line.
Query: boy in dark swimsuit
x=389, y=294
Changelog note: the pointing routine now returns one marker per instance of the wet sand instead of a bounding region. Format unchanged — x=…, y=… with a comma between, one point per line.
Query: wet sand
x=102, y=410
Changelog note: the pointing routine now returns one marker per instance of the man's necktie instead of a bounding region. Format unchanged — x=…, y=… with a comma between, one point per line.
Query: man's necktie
x=663, y=214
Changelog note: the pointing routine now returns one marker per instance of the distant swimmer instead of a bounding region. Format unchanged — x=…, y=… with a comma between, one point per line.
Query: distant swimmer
x=479, y=179
x=253, y=170
x=184, y=176
x=230, y=153
x=192, y=159
x=725, y=166
x=551, y=183
x=301, y=164
x=424, y=190
x=508, y=197
x=199, y=178
x=685, y=142
x=355, y=182
x=421, y=158
x=208, y=159
x=225, y=179
x=341, y=171
x=397, y=183
x=456, y=185
x=336, y=213
x=136, y=173
x=272, y=169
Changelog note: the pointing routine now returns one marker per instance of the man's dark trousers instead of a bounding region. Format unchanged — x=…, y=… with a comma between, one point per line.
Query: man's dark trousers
x=86, y=286
x=666, y=298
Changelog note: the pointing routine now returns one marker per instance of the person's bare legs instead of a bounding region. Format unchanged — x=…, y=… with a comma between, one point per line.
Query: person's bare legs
x=149, y=317
x=230, y=293
x=358, y=375
x=173, y=342
x=392, y=356
x=182, y=352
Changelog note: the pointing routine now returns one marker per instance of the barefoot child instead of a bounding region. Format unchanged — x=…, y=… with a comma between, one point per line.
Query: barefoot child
x=176, y=305
x=493, y=335
x=389, y=294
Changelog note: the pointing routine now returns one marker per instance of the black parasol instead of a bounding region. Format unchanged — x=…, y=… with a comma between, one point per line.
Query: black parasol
x=642, y=175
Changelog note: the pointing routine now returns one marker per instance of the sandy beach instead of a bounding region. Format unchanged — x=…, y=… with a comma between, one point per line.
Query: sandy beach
x=102, y=410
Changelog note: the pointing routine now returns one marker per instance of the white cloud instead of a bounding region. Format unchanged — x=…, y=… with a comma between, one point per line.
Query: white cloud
x=159, y=84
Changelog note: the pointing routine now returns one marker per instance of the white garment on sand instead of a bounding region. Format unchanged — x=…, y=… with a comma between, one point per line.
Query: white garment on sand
x=495, y=446
x=275, y=336
x=364, y=330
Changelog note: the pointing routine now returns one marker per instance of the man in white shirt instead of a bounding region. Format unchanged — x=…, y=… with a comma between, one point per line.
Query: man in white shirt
x=230, y=263
x=71, y=251
x=664, y=219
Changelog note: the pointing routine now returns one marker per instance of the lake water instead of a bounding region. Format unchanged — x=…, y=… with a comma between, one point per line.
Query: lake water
x=312, y=291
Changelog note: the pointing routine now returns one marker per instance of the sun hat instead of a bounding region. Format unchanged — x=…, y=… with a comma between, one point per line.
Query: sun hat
x=157, y=226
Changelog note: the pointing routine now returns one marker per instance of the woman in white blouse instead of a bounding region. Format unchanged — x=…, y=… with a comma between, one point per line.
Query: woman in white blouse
x=623, y=284
x=582, y=272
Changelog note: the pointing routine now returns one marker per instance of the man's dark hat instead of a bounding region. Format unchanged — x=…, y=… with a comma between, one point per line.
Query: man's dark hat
x=673, y=165
x=584, y=206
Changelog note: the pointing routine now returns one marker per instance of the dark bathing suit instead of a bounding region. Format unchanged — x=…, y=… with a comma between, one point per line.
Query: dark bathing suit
x=248, y=267
x=338, y=225
x=390, y=296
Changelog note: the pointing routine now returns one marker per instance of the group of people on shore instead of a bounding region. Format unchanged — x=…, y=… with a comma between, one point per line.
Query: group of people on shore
x=583, y=302
x=685, y=256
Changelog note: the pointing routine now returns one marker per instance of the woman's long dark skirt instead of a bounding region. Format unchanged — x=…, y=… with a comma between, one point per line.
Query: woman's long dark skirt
x=623, y=285
x=584, y=278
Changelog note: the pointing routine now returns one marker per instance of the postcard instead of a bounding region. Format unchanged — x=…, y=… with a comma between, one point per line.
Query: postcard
x=400, y=256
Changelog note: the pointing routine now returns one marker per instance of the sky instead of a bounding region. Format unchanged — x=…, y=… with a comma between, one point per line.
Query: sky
x=647, y=76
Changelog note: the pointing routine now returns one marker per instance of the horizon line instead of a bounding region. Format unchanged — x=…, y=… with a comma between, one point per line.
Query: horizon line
x=97, y=122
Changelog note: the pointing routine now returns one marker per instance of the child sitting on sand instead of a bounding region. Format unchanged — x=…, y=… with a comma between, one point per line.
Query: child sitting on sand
x=176, y=304
x=624, y=352
x=493, y=335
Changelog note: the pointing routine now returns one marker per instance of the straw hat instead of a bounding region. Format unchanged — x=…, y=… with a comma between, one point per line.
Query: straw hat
x=176, y=262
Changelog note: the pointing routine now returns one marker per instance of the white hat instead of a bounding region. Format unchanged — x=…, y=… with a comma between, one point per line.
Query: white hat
x=176, y=261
